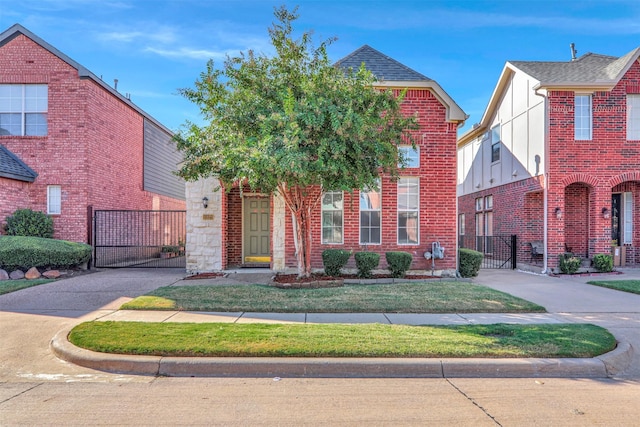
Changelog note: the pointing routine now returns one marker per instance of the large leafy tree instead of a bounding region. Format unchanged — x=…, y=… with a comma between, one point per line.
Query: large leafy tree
x=293, y=124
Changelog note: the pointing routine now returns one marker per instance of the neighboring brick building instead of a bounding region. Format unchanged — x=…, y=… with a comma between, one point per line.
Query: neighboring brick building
x=68, y=141
x=424, y=213
x=556, y=159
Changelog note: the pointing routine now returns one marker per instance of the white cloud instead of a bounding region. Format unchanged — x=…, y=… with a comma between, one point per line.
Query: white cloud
x=185, y=52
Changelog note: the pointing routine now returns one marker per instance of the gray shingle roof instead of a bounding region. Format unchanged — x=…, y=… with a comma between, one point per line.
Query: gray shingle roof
x=14, y=168
x=589, y=68
x=383, y=67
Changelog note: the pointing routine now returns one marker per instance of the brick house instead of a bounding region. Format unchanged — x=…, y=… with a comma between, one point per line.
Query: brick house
x=70, y=142
x=246, y=229
x=555, y=159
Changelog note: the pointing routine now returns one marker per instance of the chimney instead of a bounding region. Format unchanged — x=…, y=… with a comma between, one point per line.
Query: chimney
x=115, y=84
x=573, y=51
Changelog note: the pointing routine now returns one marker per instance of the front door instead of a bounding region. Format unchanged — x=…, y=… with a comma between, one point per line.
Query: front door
x=257, y=233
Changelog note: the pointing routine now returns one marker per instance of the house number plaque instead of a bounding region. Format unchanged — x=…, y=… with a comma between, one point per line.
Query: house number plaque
x=207, y=217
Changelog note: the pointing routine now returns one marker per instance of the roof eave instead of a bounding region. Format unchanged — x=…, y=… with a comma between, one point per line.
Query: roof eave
x=455, y=114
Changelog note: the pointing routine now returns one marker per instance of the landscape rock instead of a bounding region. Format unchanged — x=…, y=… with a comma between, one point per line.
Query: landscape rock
x=16, y=275
x=51, y=274
x=4, y=275
x=32, y=274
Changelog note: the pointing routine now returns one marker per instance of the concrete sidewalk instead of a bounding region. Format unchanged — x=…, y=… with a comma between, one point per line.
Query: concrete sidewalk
x=567, y=299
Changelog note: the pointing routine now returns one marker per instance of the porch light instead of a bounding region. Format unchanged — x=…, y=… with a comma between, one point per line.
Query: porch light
x=205, y=202
x=606, y=213
x=558, y=213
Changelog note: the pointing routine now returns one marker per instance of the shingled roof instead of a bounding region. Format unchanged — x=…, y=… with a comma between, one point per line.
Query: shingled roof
x=589, y=69
x=13, y=168
x=380, y=65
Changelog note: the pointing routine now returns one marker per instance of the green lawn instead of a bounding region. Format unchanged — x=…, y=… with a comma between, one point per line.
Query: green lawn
x=343, y=340
x=632, y=286
x=426, y=297
x=7, y=286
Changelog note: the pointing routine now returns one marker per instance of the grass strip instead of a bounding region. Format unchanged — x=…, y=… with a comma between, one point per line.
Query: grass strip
x=632, y=286
x=342, y=340
x=425, y=297
x=7, y=286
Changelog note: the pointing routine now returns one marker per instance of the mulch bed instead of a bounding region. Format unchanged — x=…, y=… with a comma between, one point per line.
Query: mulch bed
x=204, y=276
x=293, y=278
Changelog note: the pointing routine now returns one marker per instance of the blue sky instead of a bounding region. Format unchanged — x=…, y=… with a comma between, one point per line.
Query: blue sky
x=154, y=47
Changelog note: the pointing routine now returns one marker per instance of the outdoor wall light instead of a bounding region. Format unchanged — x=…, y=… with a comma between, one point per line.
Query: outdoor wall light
x=559, y=213
x=606, y=213
x=205, y=202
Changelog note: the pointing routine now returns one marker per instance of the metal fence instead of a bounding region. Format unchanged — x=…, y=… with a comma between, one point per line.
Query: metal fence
x=498, y=251
x=139, y=238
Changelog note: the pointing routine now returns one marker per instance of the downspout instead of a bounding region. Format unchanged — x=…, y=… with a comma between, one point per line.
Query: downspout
x=545, y=193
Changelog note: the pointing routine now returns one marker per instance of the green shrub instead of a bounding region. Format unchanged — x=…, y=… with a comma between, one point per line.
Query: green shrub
x=603, y=262
x=399, y=263
x=470, y=262
x=569, y=263
x=334, y=260
x=366, y=262
x=25, y=222
x=17, y=252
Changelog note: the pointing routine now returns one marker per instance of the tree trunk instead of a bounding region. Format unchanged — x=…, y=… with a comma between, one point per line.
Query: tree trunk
x=301, y=204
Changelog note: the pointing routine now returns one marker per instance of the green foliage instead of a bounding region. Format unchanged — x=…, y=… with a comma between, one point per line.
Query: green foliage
x=470, y=262
x=18, y=252
x=170, y=249
x=366, y=262
x=603, y=262
x=399, y=263
x=569, y=264
x=333, y=261
x=25, y=222
x=292, y=123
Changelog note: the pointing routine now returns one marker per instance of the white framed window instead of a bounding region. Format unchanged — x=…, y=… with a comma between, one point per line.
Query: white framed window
x=582, y=117
x=496, y=142
x=479, y=204
x=411, y=155
x=370, y=221
x=54, y=200
x=332, y=217
x=461, y=224
x=633, y=117
x=408, y=210
x=627, y=218
x=23, y=109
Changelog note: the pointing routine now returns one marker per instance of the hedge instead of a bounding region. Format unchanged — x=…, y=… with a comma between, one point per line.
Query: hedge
x=398, y=263
x=470, y=262
x=17, y=252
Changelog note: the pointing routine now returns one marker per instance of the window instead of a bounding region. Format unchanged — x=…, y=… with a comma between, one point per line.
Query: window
x=370, y=206
x=461, y=225
x=633, y=117
x=332, y=217
x=495, y=144
x=484, y=224
x=23, y=110
x=582, y=121
x=54, y=200
x=411, y=155
x=627, y=218
x=408, y=210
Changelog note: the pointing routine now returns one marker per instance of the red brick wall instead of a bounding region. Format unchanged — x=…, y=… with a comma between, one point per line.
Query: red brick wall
x=94, y=145
x=437, y=141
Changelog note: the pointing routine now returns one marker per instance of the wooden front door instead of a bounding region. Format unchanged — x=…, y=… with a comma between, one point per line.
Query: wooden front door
x=257, y=231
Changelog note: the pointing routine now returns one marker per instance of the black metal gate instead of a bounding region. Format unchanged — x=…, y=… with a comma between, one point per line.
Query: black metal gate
x=499, y=251
x=139, y=238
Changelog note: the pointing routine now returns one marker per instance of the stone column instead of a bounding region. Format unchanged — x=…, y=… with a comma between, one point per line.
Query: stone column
x=204, y=249
x=278, y=233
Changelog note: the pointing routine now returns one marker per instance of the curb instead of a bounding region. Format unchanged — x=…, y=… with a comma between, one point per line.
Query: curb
x=603, y=366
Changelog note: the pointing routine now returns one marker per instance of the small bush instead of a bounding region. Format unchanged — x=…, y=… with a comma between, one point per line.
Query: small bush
x=17, y=252
x=399, y=263
x=470, y=262
x=334, y=260
x=569, y=263
x=603, y=262
x=25, y=222
x=366, y=262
